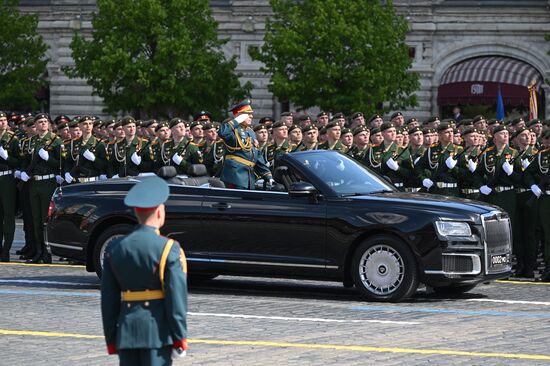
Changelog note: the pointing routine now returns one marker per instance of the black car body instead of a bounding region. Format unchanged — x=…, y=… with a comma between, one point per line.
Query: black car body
x=330, y=219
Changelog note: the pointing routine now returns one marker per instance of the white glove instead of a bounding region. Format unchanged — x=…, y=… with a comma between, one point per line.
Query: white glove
x=270, y=182
x=3, y=153
x=177, y=159
x=450, y=162
x=472, y=166
x=525, y=163
x=392, y=164
x=427, y=183
x=340, y=166
x=536, y=190
x=178, y=353
x=241, y=118
x=508, y=168
x=25, y=177
x=59, y=179
x=116, y=176
x=102, y=177
x=17, y=174
x=43, y=154
x=89, y=155
x=68, y=177
x=485, y=190
x=136, y=159
x=416, y=160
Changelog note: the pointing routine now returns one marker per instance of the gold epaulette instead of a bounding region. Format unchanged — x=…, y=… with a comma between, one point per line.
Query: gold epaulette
x=9, y=132
x=488, y=149
x=434, y=145
x=375, y=145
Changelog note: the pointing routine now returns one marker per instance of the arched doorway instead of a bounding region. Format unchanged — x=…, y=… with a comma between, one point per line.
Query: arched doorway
x=473, y=84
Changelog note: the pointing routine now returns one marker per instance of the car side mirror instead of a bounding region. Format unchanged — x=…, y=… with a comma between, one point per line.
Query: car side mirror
x=301, y=189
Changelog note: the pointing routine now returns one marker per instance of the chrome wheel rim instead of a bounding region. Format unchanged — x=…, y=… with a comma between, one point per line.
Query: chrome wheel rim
x=381, y=269
x=104, y=246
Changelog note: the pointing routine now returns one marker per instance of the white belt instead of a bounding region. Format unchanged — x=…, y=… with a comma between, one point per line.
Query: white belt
x=43, y=177
x=445, y=185
x=503, y=188
x=547, y=192
x=398, y=184
x=6, y=172
x=412, y=189
x=469, y=191
x=522, y=190
x=89, y=179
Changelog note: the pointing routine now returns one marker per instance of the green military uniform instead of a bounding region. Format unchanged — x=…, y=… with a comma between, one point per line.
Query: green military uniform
x=186, y=149
x=42, y=183
x=403, y=159
x=413, y=182
x=373, y=157
x=469, y=182
x=8, y=163
x=534, y=174
x=78, y=166
x=336, y=146
x=144, y=288
x=275, y=152
x=28, y=250
x=120, y=157
x=213, y=157
x=432, y=166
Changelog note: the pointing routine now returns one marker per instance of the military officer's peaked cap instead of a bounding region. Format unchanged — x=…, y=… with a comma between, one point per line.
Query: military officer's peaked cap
x=244, y=106
x=396, y=114
x=357, y=130
x=127, y=120
x=202, y=116
x=176, y=121
x=148, y=194
x=41, y=116
x=386, y=126
x=265, y=120
x=444, y=126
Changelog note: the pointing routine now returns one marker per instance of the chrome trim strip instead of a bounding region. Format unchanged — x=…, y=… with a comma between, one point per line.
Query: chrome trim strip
x=231, y=261
x=64, y=246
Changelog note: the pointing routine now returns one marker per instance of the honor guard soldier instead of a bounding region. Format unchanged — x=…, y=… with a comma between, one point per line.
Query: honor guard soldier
x=85, y=158
x=144, y=285
x=537, y=178
x=469, y=180
x=213, y=149
x=243, y=162
x=39, y=168
x=346, y=138
x=9, y=154
x=294, y=137
x=416, y=151
x=360, y=148
x=333, y=133
x=394, y=161
x=180, y=149
x=310, y=133
x=280, y=144
x=131, y=155
x=437, y=168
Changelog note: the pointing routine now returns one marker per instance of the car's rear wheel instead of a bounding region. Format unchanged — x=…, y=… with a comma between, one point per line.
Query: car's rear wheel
x=454, y=289
x=384, y=269
x=104, y=239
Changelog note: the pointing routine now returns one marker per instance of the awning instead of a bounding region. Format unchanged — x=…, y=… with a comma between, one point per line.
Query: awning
x=477, y=80
x=496, y=69
x=482, y=93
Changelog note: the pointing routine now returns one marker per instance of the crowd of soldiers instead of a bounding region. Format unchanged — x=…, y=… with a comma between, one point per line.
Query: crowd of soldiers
x=500, y=162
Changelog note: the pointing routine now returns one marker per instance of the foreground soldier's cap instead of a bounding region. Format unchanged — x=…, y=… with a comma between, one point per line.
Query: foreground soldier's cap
x=127, y=120
x=444, y=126
x=208, y=126
x=357, y=130
x=41, y=116
x=256, y=128
x=373, y=117
x=196, y=123
x=478, y=118
x=148, y=194
x=332, y=124
x=265, y=120
x=519, y=131
x=294, y=127
x=357, y=115
x=469, y=131
x=321, y=114
x=176, y=121
x=427, y=130
x=516, y=121
x=375, y=130
x=245, y=106
x=278, y=124
x=386, y=126
x=346, y=131
x=400, y=130
x=500, y=128
x=415, y=130
x=160, y=125
x=85, y=118
x=533, y=122
x=309, y=128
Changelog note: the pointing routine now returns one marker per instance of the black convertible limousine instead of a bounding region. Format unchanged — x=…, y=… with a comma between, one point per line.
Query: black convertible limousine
x=328, y=218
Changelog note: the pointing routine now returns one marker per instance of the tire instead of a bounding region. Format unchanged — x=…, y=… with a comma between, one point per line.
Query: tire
x=454, y=289
x=111, y=233
x=384, y=269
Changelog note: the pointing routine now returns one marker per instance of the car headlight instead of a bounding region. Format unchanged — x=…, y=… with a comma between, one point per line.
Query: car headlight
x=453, y=228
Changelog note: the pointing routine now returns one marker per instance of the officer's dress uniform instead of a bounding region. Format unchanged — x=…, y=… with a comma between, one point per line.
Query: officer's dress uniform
x=42, y=184
x=243, y=161
x=432, y=166
x=78, y=166
x=143, y=329
x=10, y=144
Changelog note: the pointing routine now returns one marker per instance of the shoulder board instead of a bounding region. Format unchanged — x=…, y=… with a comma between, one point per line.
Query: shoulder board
x=513, y=150
x=375, y=145
x=434, y=145
x=66, y=142
x=194, y=144
x=543, y=151
x=10, y=132
x=488, y=149
x=25, y=139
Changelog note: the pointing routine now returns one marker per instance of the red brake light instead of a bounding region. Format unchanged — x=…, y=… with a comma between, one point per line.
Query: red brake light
x=51, y=209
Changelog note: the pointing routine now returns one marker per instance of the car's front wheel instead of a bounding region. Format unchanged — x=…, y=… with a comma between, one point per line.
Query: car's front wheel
x=384, y=269
x=106, y=237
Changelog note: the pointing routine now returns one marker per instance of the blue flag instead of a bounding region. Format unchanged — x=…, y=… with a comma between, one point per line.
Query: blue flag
x=500, y=106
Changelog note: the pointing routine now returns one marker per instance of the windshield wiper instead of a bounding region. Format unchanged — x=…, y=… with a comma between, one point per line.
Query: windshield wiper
x=366, y=193
x=381, y=191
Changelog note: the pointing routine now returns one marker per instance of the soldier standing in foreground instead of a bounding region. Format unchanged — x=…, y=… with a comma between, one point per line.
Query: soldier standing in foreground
x=144, y=285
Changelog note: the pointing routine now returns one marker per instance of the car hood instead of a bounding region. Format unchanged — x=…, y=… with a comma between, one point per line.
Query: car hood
x=430, y=202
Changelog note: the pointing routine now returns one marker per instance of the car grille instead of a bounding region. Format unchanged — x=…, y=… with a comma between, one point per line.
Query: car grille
x=454, y=263
x=498, y=241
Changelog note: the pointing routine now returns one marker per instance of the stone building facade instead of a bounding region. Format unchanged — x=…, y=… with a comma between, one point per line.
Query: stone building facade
x=444, y=33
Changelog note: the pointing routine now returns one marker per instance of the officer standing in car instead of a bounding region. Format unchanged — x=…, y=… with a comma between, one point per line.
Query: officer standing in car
x=144, y=285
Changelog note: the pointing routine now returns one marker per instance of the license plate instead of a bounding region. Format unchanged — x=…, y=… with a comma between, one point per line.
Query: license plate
x=500, y=259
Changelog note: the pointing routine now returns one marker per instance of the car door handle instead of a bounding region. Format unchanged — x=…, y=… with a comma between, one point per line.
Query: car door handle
x=221, y=205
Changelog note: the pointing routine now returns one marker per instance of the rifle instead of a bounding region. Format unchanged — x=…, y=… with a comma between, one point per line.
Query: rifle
x=32, y=166
x=77, y=168
x=542, y=183
x=440, y=169
x=2, y=165
x=497, y=174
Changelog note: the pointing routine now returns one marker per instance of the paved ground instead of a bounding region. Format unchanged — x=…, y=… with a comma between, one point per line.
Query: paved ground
x=50, y=316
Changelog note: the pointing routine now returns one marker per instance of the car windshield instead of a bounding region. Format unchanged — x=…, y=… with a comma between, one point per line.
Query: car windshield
x=342, y=174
